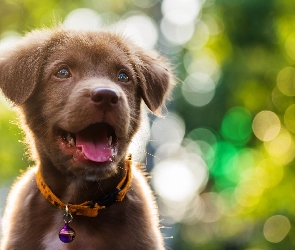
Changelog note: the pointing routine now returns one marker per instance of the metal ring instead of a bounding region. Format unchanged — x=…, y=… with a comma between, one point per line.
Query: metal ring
x=66, y=220
x=67, y=216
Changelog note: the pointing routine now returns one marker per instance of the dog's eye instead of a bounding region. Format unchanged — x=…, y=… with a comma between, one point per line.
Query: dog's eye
x=63, y=73
x=122, y=77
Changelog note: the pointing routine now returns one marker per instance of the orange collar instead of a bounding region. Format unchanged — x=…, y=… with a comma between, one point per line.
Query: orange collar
x=88, y=208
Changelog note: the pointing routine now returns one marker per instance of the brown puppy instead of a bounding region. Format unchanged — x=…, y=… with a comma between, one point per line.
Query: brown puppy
x=79, y=94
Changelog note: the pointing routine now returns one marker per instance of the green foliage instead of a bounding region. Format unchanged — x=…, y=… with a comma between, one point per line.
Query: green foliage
x=12, y=155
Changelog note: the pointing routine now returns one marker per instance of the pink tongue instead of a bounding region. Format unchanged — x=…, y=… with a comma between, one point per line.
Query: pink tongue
x=94, y=143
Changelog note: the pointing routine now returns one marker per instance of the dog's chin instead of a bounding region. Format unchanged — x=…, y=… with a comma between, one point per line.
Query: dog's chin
x=102, y=172
x=91, y=171
x=100, y=175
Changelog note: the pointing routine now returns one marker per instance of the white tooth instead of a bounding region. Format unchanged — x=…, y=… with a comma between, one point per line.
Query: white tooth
x=69, y=137
x=71, y=142
x=114, y=152
x=110, y=140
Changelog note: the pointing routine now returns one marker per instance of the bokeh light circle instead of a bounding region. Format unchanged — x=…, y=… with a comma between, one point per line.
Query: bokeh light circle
x=199, y=38
x=205, y=63
x=140, y=28
x=196, y=98
x=281, y=101
x=202, y=149
x=203, y=140
x=177, y=34
x=168, y=130
x=268, y=173
x=181, y=12
x=85, y=19
x=245, y=199
x=236, y=125
x=199, y=82
x=211, y=211
x=198, y=89
x=177, y=180
x=266, y=125
x=286, y=81
x=281, y=148
x=203, y=134
x=276, y=228
x=289, y=118
x=289, y=46
x=225, y=154
x=214, y=24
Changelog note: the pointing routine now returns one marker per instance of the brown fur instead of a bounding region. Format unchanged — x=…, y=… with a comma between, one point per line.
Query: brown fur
x=48, y=104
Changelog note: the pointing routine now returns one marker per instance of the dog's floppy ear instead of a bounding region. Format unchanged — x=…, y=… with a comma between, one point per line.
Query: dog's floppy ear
x=20, y=68
x=156, y=81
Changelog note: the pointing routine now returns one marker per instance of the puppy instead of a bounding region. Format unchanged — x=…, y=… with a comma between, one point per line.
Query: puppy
x=79, y=95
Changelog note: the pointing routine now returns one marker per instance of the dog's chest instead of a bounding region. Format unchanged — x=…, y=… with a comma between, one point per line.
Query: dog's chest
x=82, y=240
x=91, y=233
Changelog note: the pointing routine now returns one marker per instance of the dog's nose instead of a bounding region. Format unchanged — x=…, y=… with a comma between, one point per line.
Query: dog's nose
x=105, y=97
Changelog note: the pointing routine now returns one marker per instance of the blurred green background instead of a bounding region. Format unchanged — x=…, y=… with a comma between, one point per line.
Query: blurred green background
x=224, y=155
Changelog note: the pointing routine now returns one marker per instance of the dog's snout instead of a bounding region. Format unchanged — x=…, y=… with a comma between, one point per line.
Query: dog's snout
x=105, y=97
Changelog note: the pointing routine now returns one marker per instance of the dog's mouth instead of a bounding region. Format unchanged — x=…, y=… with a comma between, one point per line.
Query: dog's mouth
x=97, y=142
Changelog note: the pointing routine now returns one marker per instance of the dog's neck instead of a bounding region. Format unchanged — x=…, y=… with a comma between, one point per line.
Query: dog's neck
x=76, y=189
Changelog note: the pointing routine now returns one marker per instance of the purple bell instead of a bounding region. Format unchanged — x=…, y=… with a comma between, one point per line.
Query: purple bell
x=67, y=234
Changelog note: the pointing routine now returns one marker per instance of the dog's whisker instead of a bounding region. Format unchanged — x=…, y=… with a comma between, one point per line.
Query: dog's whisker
x=156, y=157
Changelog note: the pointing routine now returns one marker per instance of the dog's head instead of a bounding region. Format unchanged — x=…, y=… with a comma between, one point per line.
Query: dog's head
x=80, y=93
